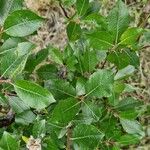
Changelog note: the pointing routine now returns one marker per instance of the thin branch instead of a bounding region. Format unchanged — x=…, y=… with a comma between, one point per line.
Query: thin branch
x=69, y=142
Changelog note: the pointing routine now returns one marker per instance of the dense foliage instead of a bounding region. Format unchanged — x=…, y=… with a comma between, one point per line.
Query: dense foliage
x=77, y=97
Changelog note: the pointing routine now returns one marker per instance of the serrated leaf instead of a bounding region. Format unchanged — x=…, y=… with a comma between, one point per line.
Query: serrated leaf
x=124, y=72
x=132, y=127
x=22, y=23
x=118, y=20
x=100, y=40
x=82, y=6
x=65, y=111
x=87, y=136
x=100, y=84
x=8, y=6
x=33, y=95
x=8, y=142
x=73, y=31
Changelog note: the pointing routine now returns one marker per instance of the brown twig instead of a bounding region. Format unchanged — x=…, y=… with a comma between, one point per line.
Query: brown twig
x=69, y=142
x=5, y=81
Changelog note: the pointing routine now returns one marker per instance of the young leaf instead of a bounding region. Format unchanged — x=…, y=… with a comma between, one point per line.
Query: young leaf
x=100, y=84
x=65, y=111
x=100, y=40
x=73, y=31
x=22, y=23
x=8, y=142
x=132, y=127
x=82, y=6
x=33, y=95
x=87, y=136
x=118, y=20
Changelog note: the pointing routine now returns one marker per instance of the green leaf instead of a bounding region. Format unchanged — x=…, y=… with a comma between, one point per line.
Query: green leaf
x=89, y=60
x=47, y=72
x=56, y=55
x=91, y=112
x=124, y=72
x=9, y=45
x=17, y=105
x=39, y=128
x=35, y=59
x=118, y=20
x=73, y=31
x=8, y=142
x=100, y=40
x=128, y=103
x=25, y=118
x=3, y=100
x=127, y=140
x=22, y=23
x=8, y=6
x=130, y=36
x=33, y=95
x=12, y=65
x=80, y=86
x=64, y=112
x=87, y=136
x=100, y=84
x=124, y=58
x=82, y=6
x=132, y=127
x=50, y=144
x=61, y=89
